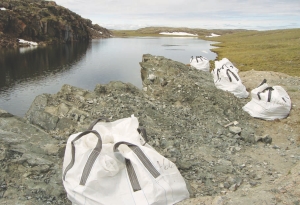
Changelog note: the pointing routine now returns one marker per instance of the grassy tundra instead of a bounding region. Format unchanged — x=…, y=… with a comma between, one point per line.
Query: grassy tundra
x=274, y=50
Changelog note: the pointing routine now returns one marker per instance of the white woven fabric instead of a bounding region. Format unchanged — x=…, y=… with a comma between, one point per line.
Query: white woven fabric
x=226, y=78
x=269, y=103
x=125, y=171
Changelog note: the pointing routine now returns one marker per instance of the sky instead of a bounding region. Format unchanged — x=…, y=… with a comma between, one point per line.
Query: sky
x=206, y=14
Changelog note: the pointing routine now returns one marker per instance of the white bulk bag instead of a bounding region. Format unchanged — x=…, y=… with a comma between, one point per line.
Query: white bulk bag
x=226, y=78
x=123, y=172
x=268, y=103
x=227, y=63
x=200, y=63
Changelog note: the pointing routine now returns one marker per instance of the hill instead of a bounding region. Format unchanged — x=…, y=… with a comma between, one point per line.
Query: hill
x=154, y=31
x=44, y=22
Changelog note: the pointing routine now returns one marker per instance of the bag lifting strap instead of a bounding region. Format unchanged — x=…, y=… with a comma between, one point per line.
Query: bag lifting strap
x=263, y=82
x=270, y=89
x=198, y=57
x=143, y=158
x=227, y=73
x=202, y=58
x=142, y=132
x=90, y=162
x=96, y=121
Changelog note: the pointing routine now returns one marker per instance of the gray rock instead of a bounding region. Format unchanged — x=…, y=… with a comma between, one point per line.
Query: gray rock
x=223, y=169
x=235, y=129
x=250, y=139
x=26, y=163
x=184, y=165
x=183, y=119
x=265, y=139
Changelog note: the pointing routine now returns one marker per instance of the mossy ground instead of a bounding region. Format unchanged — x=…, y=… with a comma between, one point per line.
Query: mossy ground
x=275, y=50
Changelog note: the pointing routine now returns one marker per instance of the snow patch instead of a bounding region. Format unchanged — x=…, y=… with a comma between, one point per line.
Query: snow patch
x=213, y=35
x=2, y=8
x=178, y=33
x=31, y=43
x=97, y=31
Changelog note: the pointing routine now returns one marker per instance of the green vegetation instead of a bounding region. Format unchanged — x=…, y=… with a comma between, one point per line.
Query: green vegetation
x=132, y=33
x=154, y=32
x=274, y=50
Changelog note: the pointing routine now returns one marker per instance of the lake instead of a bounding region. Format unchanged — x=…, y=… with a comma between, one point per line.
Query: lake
x=28, y=72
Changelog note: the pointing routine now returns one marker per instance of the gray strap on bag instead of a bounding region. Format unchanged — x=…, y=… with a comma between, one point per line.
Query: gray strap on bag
x=142, y=132
x=227, y=73
x=140, y=129
x=143, y=158
x=96, y=121
x=202, y=58
x=130, y=169
x=132, y=176
x=263, y=82
x=270, y=89
x=90, y=162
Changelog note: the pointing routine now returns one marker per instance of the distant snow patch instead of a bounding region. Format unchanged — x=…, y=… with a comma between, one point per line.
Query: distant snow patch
x=178, y=33
x=213, y=35
x=204, y=51
x=2, y=8
x=96, y=30
x=31, y=43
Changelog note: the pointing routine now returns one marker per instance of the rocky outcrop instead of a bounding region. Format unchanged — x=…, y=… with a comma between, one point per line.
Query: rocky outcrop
x=44, y=21
x=30, y=161
x=98, y=31
x=184, y=115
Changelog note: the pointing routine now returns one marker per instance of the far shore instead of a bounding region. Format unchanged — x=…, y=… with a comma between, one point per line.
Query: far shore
x=273, y=50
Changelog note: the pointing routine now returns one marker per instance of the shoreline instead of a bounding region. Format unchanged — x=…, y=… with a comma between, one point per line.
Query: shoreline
x=185, y=117
x=272, y=50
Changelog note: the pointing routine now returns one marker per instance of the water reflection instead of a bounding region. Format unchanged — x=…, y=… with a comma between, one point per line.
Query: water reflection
x=27, y=73
x=27, y=64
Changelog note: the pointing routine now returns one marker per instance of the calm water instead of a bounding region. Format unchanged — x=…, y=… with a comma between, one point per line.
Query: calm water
x=26, y=73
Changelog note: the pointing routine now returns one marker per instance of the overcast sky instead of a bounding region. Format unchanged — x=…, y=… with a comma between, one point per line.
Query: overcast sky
x=208, y=14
